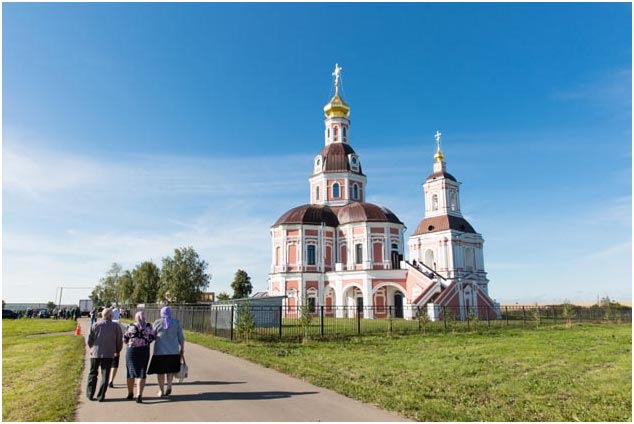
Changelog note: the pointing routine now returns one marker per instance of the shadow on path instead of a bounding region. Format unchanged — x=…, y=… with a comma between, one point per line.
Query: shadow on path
x=237, y=396
x=184, y=383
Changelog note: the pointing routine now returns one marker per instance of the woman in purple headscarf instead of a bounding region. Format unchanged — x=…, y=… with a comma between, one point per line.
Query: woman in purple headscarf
x=137, y=338
x=168, y=350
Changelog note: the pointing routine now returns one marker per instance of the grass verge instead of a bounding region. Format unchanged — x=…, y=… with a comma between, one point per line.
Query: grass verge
x=40, y=375
x=582, y=373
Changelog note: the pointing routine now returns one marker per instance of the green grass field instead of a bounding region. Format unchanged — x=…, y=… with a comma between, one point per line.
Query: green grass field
x=548, y=374
x=40, y=375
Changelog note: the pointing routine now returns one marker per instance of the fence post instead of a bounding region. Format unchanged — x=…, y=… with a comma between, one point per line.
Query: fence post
x=231, y=323
x=216, y=323
x=507, y=315
x=390, y=317
x=444, y=316
x=322, y=320
x=358, y=321
x=280, y=324
x=488, y=319
x=524, y=315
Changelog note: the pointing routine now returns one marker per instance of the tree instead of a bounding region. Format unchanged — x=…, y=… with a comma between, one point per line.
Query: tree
x=109, y=291
x=568, y=312
x=305, y=318
x=241, y=285
x=96, y=295
x=125, y=287
x=51, y=305
x=183, y=277
x=223, y=296
x=245, y=324
x=147, y=282
x=423, y=318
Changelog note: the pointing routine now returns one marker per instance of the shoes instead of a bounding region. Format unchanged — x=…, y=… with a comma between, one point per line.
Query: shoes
x=168, y=391
x=139, y=399
x=91, y=398
x=111, y=385
x=130, y=396
x=160, y=393
x=101, y=399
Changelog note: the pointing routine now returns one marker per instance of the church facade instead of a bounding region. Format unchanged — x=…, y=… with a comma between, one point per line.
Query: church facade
x=347, y=255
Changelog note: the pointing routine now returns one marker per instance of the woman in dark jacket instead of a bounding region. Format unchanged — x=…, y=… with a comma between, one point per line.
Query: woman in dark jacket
x=137, y=338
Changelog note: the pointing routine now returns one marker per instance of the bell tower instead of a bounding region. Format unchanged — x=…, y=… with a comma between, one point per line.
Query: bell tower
x=442, y=191
x=337, y=178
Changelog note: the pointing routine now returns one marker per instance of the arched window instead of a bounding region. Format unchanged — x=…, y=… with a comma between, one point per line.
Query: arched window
x=355, y=192
x=343, y=130
x=452, y=200
x=359, y=253
x=469, y=259
x=310, y=254
x=335, y=131
x=335, y=190
x=317, y=193
x=434, y=202
x=277, y=255
x=328, y=132
x=429, y=258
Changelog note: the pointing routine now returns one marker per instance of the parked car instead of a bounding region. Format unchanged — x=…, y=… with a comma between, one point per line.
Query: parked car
x=44, y=313
x=9, y=314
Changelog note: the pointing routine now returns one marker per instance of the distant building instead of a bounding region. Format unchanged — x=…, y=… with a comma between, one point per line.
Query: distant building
x=339, y=250
x=208, y=297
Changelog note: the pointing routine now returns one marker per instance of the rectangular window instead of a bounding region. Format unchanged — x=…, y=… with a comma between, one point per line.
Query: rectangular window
x=310, y=255
x=359, y=253
x=312, y=304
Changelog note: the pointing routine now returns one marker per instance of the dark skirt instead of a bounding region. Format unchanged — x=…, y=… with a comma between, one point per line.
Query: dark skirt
x=136, y=359
x=165, y=364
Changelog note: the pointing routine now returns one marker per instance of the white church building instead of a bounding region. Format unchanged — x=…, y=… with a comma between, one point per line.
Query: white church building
x=347, y=255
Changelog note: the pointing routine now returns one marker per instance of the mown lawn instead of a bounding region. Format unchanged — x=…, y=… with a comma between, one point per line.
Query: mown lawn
x=583, y=373
x=40, y=375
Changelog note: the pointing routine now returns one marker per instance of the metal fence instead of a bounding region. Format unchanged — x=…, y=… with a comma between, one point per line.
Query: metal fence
x=293, y=323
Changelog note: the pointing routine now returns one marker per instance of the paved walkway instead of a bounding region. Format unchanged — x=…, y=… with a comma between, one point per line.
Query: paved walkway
x=222, y=387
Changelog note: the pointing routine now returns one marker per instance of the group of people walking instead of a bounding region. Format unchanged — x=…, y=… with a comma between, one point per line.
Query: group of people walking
x=106, y=341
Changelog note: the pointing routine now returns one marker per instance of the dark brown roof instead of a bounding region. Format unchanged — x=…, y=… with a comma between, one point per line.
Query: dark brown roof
x=336, y=158
x=309, y=214
x=365, y=212
x=441, y=174
x=443, y=222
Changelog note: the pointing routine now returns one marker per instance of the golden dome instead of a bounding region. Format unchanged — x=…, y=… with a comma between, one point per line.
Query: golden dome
x=439, y=156
x=336, y=107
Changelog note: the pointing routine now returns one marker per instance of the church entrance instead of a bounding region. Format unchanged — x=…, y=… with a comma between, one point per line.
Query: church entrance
x=398, y=305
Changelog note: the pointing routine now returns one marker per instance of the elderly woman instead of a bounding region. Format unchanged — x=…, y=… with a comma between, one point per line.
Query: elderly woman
x=168, y=350
x=137, y=338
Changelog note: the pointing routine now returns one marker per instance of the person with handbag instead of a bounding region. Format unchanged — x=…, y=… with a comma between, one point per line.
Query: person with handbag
x=169, y=348
x=137, y=338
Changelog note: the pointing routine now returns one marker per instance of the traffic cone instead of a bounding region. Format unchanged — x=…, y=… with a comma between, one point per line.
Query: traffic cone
x=78, y=330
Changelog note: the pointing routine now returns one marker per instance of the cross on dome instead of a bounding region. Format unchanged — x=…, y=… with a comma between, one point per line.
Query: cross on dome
x=337, y=74
x=437, y=135
x=439, y=156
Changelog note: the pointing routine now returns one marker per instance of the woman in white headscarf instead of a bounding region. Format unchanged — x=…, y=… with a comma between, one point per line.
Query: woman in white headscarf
x=168, y=350
x=137, y=338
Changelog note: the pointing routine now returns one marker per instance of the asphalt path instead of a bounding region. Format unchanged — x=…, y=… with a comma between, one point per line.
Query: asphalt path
x=222, y=387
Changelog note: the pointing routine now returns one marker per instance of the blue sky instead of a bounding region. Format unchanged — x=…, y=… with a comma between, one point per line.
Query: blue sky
x=133, y=129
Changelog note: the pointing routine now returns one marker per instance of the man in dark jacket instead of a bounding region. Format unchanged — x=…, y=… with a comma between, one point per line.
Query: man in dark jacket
x=105, y=342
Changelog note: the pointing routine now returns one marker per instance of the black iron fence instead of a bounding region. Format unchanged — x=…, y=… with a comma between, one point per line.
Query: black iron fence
x=282, y=322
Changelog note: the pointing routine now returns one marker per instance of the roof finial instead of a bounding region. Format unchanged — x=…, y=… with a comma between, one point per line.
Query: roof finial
x=439, y=156
x=337, y=75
